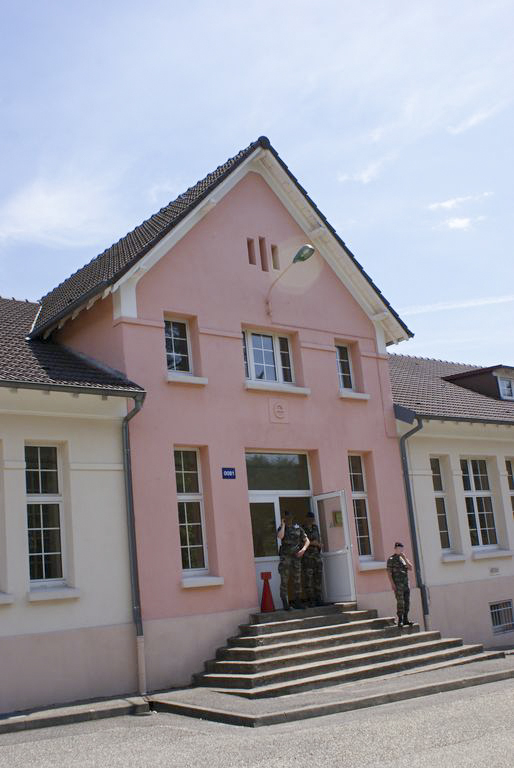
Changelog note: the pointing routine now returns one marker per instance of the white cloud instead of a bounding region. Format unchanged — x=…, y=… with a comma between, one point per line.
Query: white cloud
x=475, y=119
x=444, y=306
x=455, y=202
x=458, y=223
x=64, y=212
x=371, y=172
x=462, y=223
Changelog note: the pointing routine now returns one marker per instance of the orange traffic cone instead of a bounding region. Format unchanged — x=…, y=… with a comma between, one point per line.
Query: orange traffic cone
x=267, y=598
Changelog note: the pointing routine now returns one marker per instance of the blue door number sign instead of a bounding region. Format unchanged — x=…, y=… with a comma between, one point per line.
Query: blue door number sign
x=228, y=473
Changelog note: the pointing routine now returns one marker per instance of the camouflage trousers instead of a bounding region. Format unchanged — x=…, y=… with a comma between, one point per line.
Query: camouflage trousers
x=290, y=565
x=402, y=594
x=312, y=569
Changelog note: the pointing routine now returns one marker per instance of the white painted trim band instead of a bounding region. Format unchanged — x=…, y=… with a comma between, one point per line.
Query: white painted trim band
x=271, y=386
x=48, y=594
x=353, y=395
x=190, y=582
x=186, y=378
x=490, y=554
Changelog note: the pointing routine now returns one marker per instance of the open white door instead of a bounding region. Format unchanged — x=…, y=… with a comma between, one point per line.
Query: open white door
x=338, y=573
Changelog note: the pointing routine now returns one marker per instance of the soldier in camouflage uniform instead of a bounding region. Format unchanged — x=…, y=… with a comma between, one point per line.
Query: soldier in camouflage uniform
x=293, y=543
x=397, y=569
x=312, y=566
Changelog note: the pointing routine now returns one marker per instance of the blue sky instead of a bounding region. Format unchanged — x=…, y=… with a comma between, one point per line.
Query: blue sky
x=397, y=117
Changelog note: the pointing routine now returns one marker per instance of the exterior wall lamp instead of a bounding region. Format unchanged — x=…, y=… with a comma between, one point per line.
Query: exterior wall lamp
x=304, y=253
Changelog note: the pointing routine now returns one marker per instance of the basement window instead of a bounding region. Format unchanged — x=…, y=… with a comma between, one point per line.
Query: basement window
x=501, y=617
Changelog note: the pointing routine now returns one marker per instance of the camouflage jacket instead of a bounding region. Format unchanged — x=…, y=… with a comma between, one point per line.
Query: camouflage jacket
x=397, y=567
x=294, y=539
x=312, y=532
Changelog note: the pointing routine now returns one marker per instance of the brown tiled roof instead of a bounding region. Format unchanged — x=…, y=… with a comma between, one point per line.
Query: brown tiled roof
x=44, y=363
x=418, y=383
x=109, y=266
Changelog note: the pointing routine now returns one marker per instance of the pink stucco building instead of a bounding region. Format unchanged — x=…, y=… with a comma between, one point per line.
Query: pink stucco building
x=267, y=387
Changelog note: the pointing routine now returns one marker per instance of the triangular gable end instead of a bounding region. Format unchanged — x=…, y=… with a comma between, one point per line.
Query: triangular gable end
x=260, y=157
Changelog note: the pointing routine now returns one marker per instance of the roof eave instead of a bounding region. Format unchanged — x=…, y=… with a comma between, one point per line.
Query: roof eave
x=73, y=389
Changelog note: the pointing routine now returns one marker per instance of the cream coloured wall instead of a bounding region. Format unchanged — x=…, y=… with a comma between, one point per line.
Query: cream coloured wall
x=43, y=629
x=464, y=581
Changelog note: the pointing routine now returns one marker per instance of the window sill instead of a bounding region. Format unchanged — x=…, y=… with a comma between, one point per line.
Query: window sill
x=186, y=378
x=351, y=395
x=47, y=594
x=491, y=553
x=372, y=565
x=453, y=557
x=6, y=598
x=190, y=582
x=271, y=386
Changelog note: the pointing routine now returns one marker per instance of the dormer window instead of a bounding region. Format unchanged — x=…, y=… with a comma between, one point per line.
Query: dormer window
x=506, y=388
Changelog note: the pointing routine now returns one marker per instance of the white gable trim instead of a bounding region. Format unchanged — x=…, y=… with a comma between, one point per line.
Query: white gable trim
x=264, y=163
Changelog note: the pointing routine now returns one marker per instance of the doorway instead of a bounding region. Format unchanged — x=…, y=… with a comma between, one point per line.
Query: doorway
x=279, y=482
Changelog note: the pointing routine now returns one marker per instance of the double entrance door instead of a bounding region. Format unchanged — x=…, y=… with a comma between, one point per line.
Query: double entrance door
x=267, y=511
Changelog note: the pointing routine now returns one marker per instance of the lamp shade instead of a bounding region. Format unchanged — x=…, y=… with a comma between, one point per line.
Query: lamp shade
x=304, y=253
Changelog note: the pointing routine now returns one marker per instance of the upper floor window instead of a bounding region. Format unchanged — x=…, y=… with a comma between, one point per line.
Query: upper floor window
x=267, y=357
x=344, y=368
x=178, y=346
x=440, y=503
x=360, y=505
x=479, y=503
x=44, y=513
x=190, y=510
x=506, y=388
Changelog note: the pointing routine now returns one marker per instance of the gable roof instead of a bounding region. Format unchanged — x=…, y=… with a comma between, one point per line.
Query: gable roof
x=422, y=385
x=107, y=268
x=45, y=365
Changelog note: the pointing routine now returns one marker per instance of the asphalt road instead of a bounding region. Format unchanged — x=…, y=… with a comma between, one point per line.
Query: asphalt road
x=471, y=728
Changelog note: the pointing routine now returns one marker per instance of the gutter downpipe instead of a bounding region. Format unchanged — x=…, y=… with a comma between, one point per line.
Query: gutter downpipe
x=408, y=416
x=132, y=544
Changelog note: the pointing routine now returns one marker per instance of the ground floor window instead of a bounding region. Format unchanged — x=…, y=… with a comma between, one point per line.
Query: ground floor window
x=360, y=504
x=509, y=465
x=44, y=513
x=190, y=510
x=440, y=502
x=479, y=502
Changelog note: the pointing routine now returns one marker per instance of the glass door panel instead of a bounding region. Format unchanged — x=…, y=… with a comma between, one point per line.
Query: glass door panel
x=264, y=529
x=336, y=547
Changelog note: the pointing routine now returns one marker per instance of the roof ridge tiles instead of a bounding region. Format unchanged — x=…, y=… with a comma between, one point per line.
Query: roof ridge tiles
x=433, y=359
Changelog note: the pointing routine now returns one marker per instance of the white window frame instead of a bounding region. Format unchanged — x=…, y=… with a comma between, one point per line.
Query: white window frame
x=506, y=386
x=277, y=360
x=193, y=497
x=474, y=494
x=509, y=466
x=441, y=494
x=361, y=495
x=47, y=498
x=176, y=371
x=342, y=388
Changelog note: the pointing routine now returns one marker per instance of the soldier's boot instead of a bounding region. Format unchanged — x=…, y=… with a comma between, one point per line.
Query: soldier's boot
x=406, y=622
x=400, y=619
x=297, y=604
x=285, y=603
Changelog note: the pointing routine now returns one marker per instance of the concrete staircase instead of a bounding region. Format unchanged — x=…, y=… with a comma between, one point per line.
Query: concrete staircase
x=288, y=652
